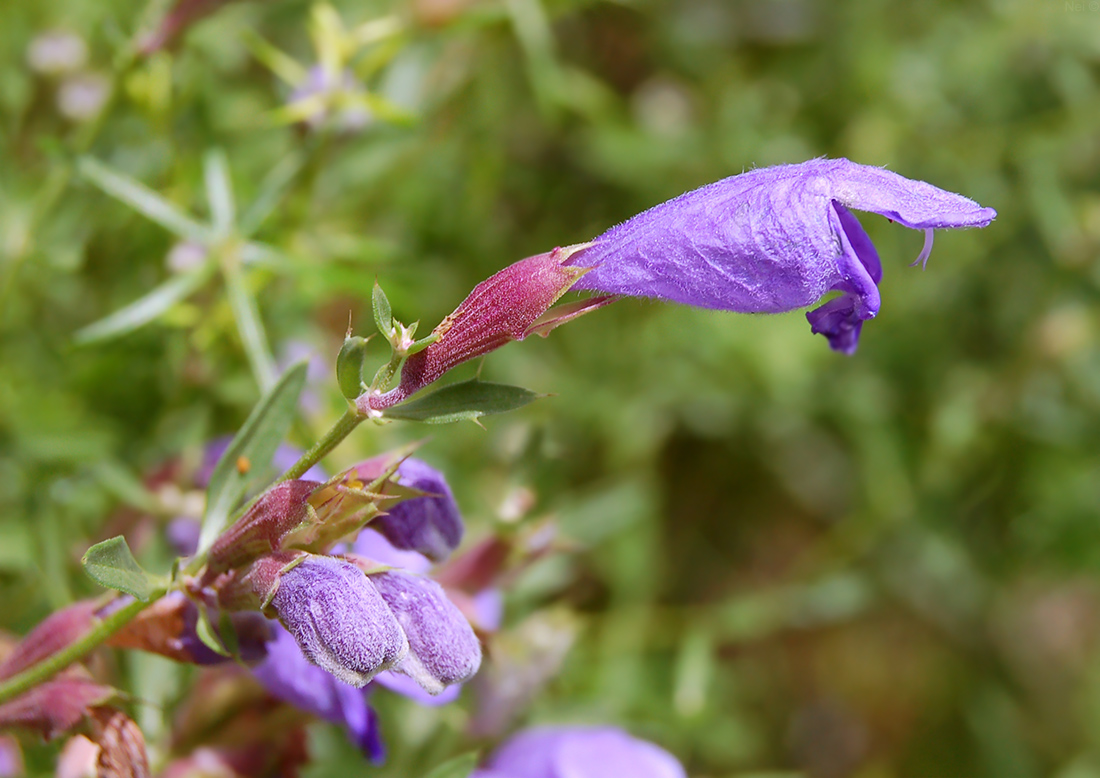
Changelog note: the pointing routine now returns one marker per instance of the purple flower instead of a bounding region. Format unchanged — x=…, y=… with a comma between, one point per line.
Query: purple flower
x=772, y=240
x=289, y=676
x=430, y=525
x=377, y=547
x=339, y=619
x=579, y=752
x=443, y=649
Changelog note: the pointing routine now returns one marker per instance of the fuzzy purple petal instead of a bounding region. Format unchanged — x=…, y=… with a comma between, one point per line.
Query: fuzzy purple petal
x=430, y=525
x=443, y=649
x=339, y=619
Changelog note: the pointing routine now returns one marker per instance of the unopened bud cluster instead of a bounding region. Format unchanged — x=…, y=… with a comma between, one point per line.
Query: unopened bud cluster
x=351, y=615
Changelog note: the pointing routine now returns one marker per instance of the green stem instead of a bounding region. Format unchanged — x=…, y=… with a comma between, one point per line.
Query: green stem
x=340, y=430
x=56, y=662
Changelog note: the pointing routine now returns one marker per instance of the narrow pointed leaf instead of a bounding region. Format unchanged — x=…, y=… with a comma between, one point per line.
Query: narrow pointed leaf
x=468, y=400
x=383, y=315
x=219, y=192
x=111, y=564
x=249, y=326
x=256, y=442
x=145, y=309
x=272, y=189
x=143, y=200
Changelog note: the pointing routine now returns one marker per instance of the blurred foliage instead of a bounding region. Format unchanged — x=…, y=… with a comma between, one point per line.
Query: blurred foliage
x=782, y=561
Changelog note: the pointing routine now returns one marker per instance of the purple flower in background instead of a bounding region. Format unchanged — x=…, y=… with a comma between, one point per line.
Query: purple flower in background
x=289, y=676
x=339, y=619
x=430, y=525
x=772, y=240
x=579, y=752
x=443, y=649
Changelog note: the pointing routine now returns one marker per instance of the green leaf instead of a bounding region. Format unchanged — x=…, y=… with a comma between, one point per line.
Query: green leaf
x=383, y=315
x=462, y=401
x=145, y=309
x=249, y=325
x=111, y=564
x=272, y=189
x=256, y=442
x=143, y=200
x=219, y=192
x=459, y=767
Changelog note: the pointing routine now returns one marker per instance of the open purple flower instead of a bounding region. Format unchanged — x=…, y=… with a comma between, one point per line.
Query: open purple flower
x=772, y=240
x=579, y=752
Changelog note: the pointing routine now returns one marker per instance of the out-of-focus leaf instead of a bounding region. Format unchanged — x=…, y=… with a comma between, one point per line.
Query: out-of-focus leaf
x=272, y=189
x=468, y=400
x=219, y=192
x=459, y=767
x=145, y=309
x=111, y=564
x=143, y=200
x=257, y=440
x=249, y=325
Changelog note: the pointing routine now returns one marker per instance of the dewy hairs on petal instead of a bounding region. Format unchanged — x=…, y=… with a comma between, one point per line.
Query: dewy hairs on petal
x=772, y=240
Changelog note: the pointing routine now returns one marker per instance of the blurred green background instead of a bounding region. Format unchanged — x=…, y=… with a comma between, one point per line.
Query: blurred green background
x=777, y=560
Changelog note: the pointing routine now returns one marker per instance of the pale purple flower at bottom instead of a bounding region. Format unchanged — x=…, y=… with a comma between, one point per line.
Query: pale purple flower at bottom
x=579, y=752
x=290, y=677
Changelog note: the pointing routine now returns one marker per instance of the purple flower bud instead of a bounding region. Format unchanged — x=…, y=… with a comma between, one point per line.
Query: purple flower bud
x=430, y=525
x=773, y=240
x=262, y=529
x=443, y=649
x=505, y=307
x=579, y=752
x=339, y=619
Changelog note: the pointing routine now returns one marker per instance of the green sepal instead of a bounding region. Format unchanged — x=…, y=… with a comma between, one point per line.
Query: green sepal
x=111, y=564
x=421, y=344
x=208, y=635
x=463, y=401
x=349, y=366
